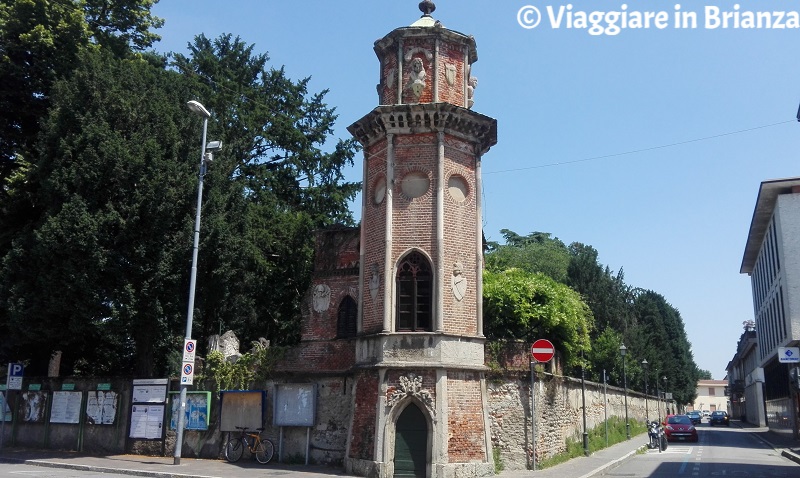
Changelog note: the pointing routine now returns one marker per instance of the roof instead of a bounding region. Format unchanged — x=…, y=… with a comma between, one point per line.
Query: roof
x=712, y=383
x=765, y=204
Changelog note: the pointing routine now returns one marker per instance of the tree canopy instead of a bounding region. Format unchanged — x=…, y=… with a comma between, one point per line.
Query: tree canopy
x=644, y=321
x=97, y=230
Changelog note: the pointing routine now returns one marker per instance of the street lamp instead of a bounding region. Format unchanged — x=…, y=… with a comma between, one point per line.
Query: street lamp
x=666, y=409
x=206, y=157
x=646, y=411
x=624, y=351
x=658, y=398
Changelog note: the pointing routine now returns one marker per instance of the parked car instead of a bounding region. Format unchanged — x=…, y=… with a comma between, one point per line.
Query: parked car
x=695, y=417
x=706, y=414
x=719, y=417
x=680, y=428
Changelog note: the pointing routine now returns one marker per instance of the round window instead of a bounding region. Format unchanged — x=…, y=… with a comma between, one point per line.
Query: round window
x=379, y=190
x=415, y=184
x=457, y=187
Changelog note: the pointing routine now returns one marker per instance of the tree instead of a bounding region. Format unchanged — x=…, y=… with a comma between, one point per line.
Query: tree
x=607, y=294
x=518, y=305
x=536, y=252
x=39, y=44
x=271, y=188
x=102, y=271
x=703, y=374
x=660, y=335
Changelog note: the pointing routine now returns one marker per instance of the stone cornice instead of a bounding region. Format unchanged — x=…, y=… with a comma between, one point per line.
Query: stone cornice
x=426, y=118
x=387, y=45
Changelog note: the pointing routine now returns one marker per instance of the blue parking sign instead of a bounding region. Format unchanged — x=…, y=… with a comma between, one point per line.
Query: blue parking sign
x=14, y=378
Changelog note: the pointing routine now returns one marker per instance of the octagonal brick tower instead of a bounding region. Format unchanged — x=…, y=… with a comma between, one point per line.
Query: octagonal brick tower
x=419, y=390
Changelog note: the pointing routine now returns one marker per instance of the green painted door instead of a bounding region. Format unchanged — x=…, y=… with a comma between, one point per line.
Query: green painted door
x=411, y=443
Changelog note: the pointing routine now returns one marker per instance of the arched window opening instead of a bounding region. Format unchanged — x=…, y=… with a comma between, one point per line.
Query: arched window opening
x=414, y=294
x=347, y=316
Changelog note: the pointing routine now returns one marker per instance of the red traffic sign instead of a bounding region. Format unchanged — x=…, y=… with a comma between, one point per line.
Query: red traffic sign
x=542, y=350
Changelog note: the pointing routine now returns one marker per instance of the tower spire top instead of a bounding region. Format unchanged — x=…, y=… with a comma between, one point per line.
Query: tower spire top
x=427, y=7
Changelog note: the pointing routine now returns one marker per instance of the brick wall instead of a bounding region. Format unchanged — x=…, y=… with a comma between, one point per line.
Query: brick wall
x=466, y=442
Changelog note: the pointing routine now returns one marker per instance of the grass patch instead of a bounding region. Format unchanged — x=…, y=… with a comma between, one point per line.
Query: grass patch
x=597, y=440
x=498, y=460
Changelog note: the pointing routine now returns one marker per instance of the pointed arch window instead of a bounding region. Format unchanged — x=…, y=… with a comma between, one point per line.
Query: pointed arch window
x=347, y=316
x=414, y=294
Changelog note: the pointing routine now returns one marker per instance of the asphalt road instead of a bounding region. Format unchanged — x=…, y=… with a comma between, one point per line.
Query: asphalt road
x=31, y=471
x=721, y=452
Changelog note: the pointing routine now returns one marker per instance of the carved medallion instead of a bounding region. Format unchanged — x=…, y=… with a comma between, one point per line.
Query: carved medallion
x=322, y=297
x=410, y=385
x=450, y=74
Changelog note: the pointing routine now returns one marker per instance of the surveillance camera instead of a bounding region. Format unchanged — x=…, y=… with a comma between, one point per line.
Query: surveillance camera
x=213, y=146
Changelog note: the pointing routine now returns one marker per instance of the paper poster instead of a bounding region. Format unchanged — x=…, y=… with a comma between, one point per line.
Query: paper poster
x=149, y=393
x=196, y=416
x=147, y=421
x=101, y=407
x=33, y=406
x=66, y=407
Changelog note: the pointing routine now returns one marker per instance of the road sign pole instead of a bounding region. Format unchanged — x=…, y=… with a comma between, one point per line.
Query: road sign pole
x=533, y=418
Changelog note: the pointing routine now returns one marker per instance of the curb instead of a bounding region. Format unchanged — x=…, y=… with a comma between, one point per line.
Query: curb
x=99, y=469
x=613, y=464
x=791, y=455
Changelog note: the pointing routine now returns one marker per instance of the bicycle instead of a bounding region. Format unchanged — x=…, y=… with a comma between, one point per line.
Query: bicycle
x=261, y=448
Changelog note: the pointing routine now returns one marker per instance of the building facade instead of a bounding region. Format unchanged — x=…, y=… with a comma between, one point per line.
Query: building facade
x=396, y=304
x=711, y=396
x=772, y=260
x=746, y=381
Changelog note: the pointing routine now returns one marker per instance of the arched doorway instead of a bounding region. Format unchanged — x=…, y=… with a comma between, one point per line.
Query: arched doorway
x=411, y=443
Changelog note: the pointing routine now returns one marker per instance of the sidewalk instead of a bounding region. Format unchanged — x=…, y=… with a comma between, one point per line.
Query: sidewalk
x=162, y=467
x=784, y=443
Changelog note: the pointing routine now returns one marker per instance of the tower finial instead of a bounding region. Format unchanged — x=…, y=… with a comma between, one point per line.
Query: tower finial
x=427, y=7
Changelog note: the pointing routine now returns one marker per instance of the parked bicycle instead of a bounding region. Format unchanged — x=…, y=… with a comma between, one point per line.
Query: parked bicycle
x=261, y=448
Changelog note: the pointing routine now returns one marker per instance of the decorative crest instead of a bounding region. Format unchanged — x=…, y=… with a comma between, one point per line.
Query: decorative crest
x=410, y=385
x=427, y=7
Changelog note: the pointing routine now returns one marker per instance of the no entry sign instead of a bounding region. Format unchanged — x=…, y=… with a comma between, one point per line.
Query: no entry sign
x=542, y=350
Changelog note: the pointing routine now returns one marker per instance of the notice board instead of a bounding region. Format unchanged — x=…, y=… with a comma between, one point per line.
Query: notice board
x=66, y=407
x=241, y=408
x=197, y=410
x=295, y=404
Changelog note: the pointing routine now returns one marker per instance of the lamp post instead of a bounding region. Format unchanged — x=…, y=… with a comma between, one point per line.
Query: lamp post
x=646, y=411
x=200, y=110
x=624, y=351
x=666, y=409
x=658, y=399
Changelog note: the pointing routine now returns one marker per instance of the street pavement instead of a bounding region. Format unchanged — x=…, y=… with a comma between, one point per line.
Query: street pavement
x=597, y=463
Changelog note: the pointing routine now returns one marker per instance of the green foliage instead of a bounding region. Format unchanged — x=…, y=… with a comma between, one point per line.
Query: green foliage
x=497, y=457
x=617, y=433
x=703, y=374
x=253, y=366
x=537, y=252
x=521, y=305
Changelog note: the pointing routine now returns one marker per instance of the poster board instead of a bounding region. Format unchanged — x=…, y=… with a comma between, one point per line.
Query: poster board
x=295, y=405
x=147, y=421
x=198, y=408
x=4, y=407
x=33, y=406
x=150, y=390
x=101, y=407
x=241, y=408
x=66, y=407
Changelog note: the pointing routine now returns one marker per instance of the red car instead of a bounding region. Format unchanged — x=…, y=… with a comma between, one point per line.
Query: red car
x=680, y=428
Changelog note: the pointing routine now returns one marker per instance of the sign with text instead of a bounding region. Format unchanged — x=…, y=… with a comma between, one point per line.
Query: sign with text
x=789, y=354
x=187, y=373
x=14, y=378
x=189, y=347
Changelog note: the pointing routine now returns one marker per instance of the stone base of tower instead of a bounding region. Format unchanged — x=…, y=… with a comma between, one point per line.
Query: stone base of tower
x=419, y=416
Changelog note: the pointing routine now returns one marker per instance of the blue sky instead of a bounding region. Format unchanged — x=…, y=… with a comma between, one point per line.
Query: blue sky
x=649, y=145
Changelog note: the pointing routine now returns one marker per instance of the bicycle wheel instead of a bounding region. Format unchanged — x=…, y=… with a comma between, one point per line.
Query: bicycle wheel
x=264, y=451
x=234, y=450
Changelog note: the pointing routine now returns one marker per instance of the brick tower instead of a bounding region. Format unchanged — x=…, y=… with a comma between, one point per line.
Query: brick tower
x=419, y=392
